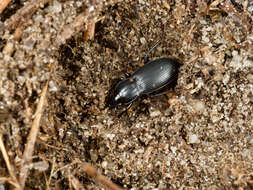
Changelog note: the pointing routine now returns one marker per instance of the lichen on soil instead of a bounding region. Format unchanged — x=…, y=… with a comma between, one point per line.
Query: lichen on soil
x=198, y=137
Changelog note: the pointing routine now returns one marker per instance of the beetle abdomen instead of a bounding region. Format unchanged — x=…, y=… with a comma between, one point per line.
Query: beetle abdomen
x=155, y=75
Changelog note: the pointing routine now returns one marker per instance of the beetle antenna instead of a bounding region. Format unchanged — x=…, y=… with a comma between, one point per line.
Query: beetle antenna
x=154, y=46
x=150, y=50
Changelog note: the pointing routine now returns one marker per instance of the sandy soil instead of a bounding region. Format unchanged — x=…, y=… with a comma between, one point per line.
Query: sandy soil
x=198, y=137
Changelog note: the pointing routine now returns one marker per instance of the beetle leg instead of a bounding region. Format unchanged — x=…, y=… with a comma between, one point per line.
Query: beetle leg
x=125, y=110
x=170, y=86
x=129, y=105
x=127, y=75
x=162, y=93
x=146, y=57
x=121, y=113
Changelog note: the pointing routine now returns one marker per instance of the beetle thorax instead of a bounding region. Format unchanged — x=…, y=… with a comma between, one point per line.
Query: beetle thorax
x=126, y=91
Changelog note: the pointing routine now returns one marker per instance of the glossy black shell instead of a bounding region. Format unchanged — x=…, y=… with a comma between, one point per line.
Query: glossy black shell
x=153, y=76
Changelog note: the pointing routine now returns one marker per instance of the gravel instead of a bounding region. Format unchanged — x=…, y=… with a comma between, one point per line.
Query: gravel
x=198, y=137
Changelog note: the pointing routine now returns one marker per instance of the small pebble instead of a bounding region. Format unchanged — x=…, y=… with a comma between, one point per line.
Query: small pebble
x=211, y=72
x=193, y=139
x=198, y=106
x=173, y=149
x=154, y=113
x=143, y=41
x=29, y=43
x=104, y=164
x=57, y=7
x=93, y=155
x=41, y=165
x=250, y=78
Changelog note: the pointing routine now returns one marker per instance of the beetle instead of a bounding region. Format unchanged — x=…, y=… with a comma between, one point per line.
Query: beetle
x=146, y=80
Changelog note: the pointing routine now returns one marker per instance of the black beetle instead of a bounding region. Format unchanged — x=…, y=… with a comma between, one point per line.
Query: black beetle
x=154, y=75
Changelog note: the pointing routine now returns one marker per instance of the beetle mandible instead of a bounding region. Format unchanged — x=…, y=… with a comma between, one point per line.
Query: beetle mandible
x=154, y=75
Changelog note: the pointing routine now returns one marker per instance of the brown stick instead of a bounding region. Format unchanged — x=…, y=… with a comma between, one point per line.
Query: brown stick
x=10, y=181
x=91, y=171
x=21, y=14
x=8, y=164
x=29, y=148
x=3, y=5
x=75, y=183
x=242, y=18
x=88, y=16
x=89, y=33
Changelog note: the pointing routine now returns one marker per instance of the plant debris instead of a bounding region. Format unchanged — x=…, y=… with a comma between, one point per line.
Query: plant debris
x=58, y=60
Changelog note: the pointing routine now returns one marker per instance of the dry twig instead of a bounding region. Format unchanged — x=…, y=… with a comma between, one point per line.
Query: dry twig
x=75, y=183
x=22, y=14
x=19, y=20
x=88, y=16
x=242, y=18
x=9, y=180
x=10, y=45
x=3, y=5
x=50, y=177
x=92, y=172
x=89, y=33
x=13, y=179
x=29, y=148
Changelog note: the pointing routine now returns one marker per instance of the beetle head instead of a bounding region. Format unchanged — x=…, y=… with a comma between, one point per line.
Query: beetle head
x=124, y=92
